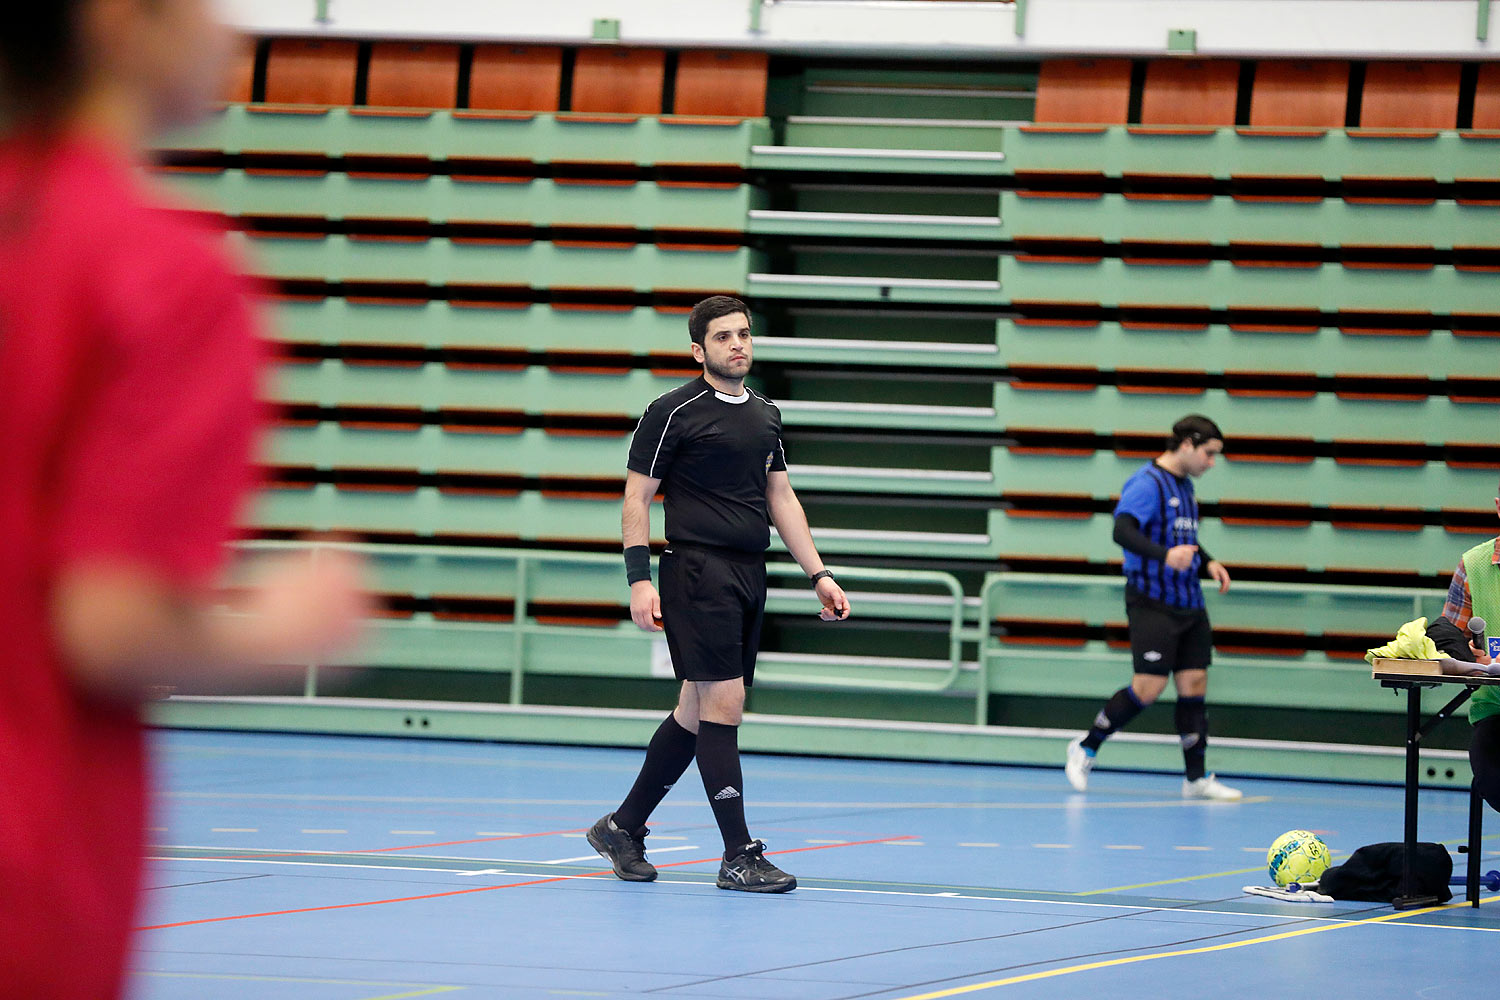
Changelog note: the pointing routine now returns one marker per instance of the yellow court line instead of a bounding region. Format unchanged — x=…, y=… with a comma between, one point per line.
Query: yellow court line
x=1033, y=976
x=1169, y=881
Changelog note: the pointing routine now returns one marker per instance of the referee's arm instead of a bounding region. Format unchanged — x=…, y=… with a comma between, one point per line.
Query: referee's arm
x=635, y=529
x=791, y=524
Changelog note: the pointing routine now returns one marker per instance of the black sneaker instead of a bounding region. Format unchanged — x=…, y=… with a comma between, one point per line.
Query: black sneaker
x=749, y=871
x=625, y=851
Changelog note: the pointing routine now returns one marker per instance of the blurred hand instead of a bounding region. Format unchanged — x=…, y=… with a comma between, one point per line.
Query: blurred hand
x=835, y=604
x=645, y=605
x=1180, y=557
x=309, y=606
x=1220, y=574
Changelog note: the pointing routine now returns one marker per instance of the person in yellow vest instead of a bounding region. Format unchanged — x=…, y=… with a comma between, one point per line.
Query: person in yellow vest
x=1475, y=590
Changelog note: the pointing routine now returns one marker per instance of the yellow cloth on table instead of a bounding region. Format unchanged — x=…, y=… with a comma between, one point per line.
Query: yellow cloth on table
x=1411, y=643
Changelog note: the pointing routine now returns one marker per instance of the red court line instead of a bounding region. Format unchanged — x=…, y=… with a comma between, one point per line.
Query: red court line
x=380, y=850
x=486, y=888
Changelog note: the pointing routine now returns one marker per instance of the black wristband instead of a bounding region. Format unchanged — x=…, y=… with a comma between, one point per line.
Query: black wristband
x=819, y=575
x=637, y=563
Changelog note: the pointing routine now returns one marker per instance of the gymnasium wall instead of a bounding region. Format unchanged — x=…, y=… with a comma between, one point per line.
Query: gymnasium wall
x=982, y=290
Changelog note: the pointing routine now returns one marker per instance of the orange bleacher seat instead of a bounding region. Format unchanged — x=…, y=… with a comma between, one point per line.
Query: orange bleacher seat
x=619, y=81
x=239, y=82
x=515, y=78
x=1413, y=95
x=1083, y=92
x=1487, y=96
x=721, y=83
x=1296, y=94
x=1190, y=92
x=412, y=75
x=302, y=71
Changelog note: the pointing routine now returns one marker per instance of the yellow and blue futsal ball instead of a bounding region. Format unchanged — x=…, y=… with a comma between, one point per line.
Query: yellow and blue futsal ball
x=1298, y=856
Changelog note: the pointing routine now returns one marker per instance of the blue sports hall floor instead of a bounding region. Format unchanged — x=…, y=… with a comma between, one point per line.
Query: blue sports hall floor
x=339, y=868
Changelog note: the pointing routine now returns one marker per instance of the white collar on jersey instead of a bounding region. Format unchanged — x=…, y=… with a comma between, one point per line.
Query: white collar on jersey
x=743, y=397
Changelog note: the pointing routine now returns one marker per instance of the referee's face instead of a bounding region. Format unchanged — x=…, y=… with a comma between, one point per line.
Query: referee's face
x=726, y=351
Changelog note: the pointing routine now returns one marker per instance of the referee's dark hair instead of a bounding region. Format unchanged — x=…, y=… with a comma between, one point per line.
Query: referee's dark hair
x=40, y=61
x=711, y=309
x=1194, y=427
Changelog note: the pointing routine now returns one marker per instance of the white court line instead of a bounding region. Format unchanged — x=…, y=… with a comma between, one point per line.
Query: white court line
x=1172, y=803
x=868, y=892
x=308, y=852
x=1191, y=847
x=1123, y=847
x=595, y=857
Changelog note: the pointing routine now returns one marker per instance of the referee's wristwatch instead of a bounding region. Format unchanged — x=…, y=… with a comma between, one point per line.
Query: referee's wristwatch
x=819, y=575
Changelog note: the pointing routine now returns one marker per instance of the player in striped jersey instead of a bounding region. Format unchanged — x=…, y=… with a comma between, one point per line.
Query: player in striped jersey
x=1156, y=523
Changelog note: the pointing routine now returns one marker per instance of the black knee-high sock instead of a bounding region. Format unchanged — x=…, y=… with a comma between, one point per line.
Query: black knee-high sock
x=1192, y=730
x=668, y=754
x=1122, y=706
x=719, y=763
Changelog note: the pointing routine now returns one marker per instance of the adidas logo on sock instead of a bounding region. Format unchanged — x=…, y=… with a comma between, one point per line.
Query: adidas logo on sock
x=727, y=792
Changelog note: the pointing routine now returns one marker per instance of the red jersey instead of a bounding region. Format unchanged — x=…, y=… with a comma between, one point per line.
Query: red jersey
x=127, y=383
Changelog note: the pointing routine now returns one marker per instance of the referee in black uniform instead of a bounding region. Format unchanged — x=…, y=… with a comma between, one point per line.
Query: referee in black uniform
x=713, y=448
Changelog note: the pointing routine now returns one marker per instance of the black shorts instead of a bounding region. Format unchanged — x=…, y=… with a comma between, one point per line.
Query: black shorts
x=712, y=604
x=1164, y=638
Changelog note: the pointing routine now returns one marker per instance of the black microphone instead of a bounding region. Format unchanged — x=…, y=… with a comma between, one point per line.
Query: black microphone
x=1477, y=625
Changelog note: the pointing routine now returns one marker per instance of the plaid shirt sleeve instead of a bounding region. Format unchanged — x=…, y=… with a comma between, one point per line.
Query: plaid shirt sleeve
x=1459, y=607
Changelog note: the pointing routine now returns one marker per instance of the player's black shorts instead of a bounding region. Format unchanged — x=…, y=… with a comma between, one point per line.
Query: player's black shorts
x=1164, y=638
x=712, y=604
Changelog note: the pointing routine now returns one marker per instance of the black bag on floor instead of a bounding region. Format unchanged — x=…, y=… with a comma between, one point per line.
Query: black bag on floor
x=1373, y=873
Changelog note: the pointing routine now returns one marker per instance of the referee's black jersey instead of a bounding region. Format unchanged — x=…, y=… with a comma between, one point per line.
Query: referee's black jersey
x=713, y=454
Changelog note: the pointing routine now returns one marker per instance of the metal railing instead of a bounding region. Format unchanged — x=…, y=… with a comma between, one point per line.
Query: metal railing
x=523, y=627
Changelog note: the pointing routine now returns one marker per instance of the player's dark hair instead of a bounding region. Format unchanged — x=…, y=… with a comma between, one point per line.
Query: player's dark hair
x=710, y=309
x=39, y=61
x=1194, y=427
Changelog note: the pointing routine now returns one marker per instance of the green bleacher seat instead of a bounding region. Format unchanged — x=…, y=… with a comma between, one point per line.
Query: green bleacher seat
x=435, y=386
x=1316, y=546
x=439, y=261
x=433, y=448
x=1226, y=220
x=1246, y=347
x=1220, y=284
x=523, y=201
x=1106, y=410
x=1226, y=153
x=1315, y=481
x=448, y=135
x=426, y=511
x=501, y=326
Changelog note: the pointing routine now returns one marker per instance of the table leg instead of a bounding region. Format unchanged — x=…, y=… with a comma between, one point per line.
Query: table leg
x=1406, y=900
x=1476, y=835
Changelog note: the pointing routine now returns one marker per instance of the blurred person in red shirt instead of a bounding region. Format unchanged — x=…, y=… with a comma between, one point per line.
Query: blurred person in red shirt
x=128, y=369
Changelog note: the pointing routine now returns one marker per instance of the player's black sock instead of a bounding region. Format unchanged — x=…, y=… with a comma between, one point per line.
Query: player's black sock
x=668, y=754
x=1192, y=730
x=1122, y=706
x=719, y=764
